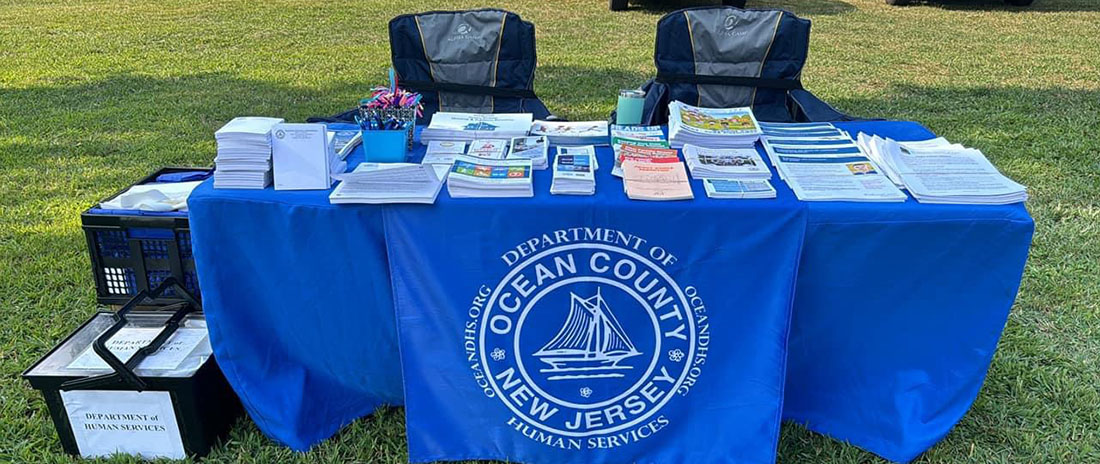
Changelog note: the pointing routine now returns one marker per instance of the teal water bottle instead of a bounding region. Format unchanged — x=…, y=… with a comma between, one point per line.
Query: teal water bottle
x=629, y=109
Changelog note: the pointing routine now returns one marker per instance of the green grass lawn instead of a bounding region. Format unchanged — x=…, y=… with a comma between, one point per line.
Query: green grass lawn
x=96, y=94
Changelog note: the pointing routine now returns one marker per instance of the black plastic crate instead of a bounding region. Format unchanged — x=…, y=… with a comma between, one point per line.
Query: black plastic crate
x=194, y=396
x=134, y=253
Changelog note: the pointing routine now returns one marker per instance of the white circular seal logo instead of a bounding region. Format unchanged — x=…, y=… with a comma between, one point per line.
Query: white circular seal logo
x=463, y=29
x=585, y=343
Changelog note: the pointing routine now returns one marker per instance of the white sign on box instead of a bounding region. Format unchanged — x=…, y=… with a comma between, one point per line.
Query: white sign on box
x=128, y=422
x=129, y=340
x=301, y=156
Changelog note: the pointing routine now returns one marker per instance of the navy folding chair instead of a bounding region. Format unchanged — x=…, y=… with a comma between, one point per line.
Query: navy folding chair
x=730, y=57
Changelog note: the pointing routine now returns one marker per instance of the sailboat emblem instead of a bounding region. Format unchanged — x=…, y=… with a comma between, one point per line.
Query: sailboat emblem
x=590, y=344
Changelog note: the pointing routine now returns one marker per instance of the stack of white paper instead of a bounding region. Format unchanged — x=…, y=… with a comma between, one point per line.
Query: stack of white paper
x=488, y=148
x=574, y=175
x=581, y=150
x=244, y=153
x=738, y=189
x=443, y=152
x=377, y=183
x=836, y=178
x=882, y=151
x=534, y=148
x=819, y=139
x=470, y=126
x=711, y=127
x=572, y=133
x=472, y=177
x=304, y=157
x=725, y=163
x=798, y=129
x=938, y=171
x=344, y=141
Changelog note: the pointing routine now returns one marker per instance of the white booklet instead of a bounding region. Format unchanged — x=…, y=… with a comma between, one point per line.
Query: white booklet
x=443, y=151
x=837, y=179
x=472, y=177
x=955, y=176
x=712, y=127
x=572, y=133
x=302, y=157
x=573, y=175
x=535, y=148
x=581, y=150
x=488, y=148
x=379, y=183
x=469, y=126
x=725, y=163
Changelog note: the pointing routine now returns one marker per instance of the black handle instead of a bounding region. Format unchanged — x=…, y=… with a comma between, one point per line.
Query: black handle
x=141, y=222
x=124, y=372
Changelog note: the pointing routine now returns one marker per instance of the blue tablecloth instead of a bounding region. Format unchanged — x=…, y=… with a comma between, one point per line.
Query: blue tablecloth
x=897, y=307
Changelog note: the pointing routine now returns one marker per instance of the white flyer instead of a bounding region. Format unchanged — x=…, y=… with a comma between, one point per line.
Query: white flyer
x=837, y=179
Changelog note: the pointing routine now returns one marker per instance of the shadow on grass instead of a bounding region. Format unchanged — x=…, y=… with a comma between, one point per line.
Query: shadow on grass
x=120, y=116
x=798, y=7
x=1048, y=6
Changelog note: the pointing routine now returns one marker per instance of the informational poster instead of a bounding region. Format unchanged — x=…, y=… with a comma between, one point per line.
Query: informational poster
x=128, y=422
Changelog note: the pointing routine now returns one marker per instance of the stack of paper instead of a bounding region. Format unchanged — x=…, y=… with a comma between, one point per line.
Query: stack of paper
x=572, y=133
x=443, y=152
x=646, y=178
x=628, y=134
x=711, y=127
x=574, y=175
x=304, y=157
x=880, y=150
x=534, y=148
x=244, y=153
x=488, y=148
x=344, y=141
x=581, y=150
x=377, y=183
x=806, y=139
x=470, y=126
x=738, y=189
x=472, y=177
x=635, y=136
x=798, y=129
x=836, y=178
x=633, y=151
x=938, y=172
x=725, y=163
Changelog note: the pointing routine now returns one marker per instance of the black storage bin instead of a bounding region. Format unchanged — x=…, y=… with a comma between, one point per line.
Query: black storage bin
x=131, y=253
x=202, y=404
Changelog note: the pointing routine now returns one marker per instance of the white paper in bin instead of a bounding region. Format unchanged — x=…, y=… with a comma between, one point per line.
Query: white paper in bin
x=180, y=357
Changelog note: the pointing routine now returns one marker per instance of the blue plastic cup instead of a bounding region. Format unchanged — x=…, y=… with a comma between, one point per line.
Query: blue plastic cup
x=385, y=146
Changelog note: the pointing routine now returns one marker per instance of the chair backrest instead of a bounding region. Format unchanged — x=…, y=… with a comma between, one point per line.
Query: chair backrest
x=478, y=61
x=729, y=57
